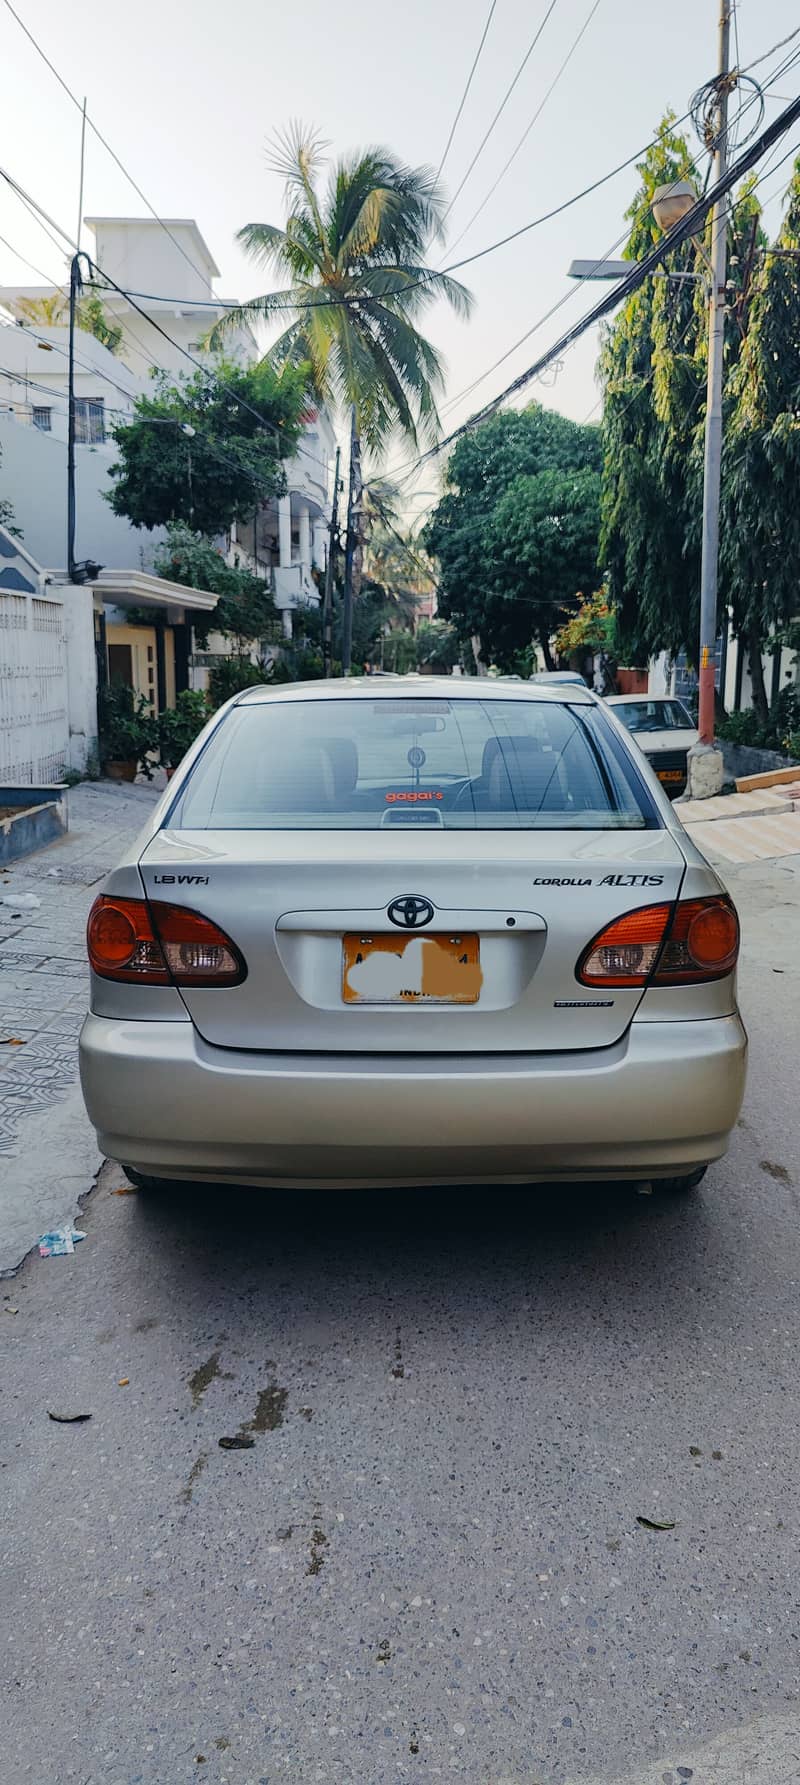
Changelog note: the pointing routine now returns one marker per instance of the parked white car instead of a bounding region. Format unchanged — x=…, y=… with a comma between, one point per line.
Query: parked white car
x=664, y=731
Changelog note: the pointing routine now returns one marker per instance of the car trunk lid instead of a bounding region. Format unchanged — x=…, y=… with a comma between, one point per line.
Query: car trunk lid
x=532, y=901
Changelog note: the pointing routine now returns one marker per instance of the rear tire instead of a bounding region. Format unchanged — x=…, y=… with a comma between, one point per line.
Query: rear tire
x=682, y=1186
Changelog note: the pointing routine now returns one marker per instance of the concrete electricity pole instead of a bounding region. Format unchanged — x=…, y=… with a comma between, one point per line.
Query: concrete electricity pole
x=327, y=600
x=351, y=544
x=705, y=760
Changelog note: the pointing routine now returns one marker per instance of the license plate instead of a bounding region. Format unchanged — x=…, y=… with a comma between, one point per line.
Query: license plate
x=670, y=774
x=411, y=969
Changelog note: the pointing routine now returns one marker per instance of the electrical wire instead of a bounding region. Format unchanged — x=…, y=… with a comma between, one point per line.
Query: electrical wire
x=767, y=53
x=501, y=108
x=106, y=145
x=30, y=264
x=464, y=96
x=688, y=226
x=526, y=133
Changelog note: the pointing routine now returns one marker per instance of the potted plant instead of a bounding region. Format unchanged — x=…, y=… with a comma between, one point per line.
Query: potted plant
x=127, y=731
x=178, y=727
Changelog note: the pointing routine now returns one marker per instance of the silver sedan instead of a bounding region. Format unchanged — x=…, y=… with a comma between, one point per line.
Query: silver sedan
x=414, y=931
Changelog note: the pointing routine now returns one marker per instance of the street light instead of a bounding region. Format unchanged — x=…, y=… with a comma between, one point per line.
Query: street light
x=671, y=203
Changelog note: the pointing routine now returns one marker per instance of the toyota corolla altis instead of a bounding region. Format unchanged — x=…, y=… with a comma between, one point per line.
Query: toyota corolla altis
x=397, y=932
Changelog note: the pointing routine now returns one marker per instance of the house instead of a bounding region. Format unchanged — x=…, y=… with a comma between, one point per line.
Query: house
x=169, y=271
x=52, y=633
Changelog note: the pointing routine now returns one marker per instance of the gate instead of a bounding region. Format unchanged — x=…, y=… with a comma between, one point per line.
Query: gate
x=34, y=718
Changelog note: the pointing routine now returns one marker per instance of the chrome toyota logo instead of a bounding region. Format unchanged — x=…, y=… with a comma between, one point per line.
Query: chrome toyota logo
x=410, y=912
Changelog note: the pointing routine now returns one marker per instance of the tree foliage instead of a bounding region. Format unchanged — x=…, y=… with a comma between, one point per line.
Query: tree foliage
x=760, y=520
x=245, y=610
x=358, y=279
x=592, y=628
x=208, y=450
x=52, y=311
x=653, y=370
x=516, y=532
x=652, y=384
x=438, y=646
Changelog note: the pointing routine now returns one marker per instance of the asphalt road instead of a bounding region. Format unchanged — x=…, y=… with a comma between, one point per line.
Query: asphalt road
x=429, y=1561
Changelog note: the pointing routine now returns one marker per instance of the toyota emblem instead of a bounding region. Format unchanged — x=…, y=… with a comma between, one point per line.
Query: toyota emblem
x=410, y=912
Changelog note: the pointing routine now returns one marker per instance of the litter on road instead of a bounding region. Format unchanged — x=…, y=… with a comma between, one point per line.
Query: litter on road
x=60, y=1242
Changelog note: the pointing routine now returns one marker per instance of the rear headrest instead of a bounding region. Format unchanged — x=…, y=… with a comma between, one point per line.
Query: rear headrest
x=344, y=763
x=300, y=782
x=519, y=772
x=509, y=750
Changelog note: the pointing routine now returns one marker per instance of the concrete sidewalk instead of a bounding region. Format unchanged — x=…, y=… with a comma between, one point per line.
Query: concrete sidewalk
x=48, y=1154
x=744, y=827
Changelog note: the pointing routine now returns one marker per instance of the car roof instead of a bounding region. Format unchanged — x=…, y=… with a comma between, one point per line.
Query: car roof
x=619, y=700
x=415, y=687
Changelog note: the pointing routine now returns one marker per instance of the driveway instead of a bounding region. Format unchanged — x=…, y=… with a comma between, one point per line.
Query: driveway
x=430, y=1558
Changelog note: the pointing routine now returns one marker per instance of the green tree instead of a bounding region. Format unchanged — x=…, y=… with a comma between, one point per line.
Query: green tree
x=52, y=311
x=760, y=522
x=652, y=384
x=355, y=261
x=208, y=450
x=653, y=366
x=516, y=532
x=245, y=611
x=437, y=645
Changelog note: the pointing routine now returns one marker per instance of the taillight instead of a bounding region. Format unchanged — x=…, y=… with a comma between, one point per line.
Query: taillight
x=693, y=942
x=159, y=944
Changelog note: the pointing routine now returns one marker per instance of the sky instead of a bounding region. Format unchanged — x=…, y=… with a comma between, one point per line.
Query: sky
x=188, y=97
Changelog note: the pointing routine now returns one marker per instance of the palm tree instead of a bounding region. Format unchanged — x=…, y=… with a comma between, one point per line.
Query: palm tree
x=49, y=310
x=357, y=279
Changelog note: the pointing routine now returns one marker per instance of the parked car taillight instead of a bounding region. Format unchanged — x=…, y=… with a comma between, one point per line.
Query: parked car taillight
x=158, y=944
x=687, y=944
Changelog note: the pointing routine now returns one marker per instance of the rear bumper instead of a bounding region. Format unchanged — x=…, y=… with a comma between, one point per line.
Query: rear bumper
x=658, y=1103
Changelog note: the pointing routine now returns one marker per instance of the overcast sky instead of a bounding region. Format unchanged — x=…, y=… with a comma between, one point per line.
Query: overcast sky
x=188, y=94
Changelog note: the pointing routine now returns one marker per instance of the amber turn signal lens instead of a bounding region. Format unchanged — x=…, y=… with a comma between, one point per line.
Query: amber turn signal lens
x=703, y=943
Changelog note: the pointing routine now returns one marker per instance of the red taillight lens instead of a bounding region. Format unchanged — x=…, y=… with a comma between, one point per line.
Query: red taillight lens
x=159, y=944
x=625, y=952
x=701, y=942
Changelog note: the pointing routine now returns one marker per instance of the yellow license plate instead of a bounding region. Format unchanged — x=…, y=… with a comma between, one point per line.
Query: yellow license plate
x=411, y=969
x=670, y=774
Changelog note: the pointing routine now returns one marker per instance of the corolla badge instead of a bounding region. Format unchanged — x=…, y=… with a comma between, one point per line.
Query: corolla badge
x=410, y=912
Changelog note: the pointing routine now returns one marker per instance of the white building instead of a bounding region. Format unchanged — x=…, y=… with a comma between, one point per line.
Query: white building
x=169, y=270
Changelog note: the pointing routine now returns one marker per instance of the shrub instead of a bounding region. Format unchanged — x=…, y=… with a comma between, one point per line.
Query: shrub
x=229, y=675
x=127, y=727
x=180, y=725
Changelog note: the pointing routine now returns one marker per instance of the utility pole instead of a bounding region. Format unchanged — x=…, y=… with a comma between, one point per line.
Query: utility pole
x=705, y=762
x=327, y=600
x=351, y=544
x=74, y=293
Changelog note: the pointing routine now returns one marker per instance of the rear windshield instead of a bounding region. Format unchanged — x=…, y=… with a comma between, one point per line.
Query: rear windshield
x=654, y=715
x=413, y=762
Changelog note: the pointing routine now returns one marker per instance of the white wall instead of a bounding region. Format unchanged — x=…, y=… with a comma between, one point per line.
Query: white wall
x=33, y=478
x=38, y=356
x=138, y=254
x=48, y=694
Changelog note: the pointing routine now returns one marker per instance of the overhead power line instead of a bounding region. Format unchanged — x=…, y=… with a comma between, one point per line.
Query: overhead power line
x=688, y=226
x=501, y=108
x=536, y=116
x=79, y=104
x=454, y=125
